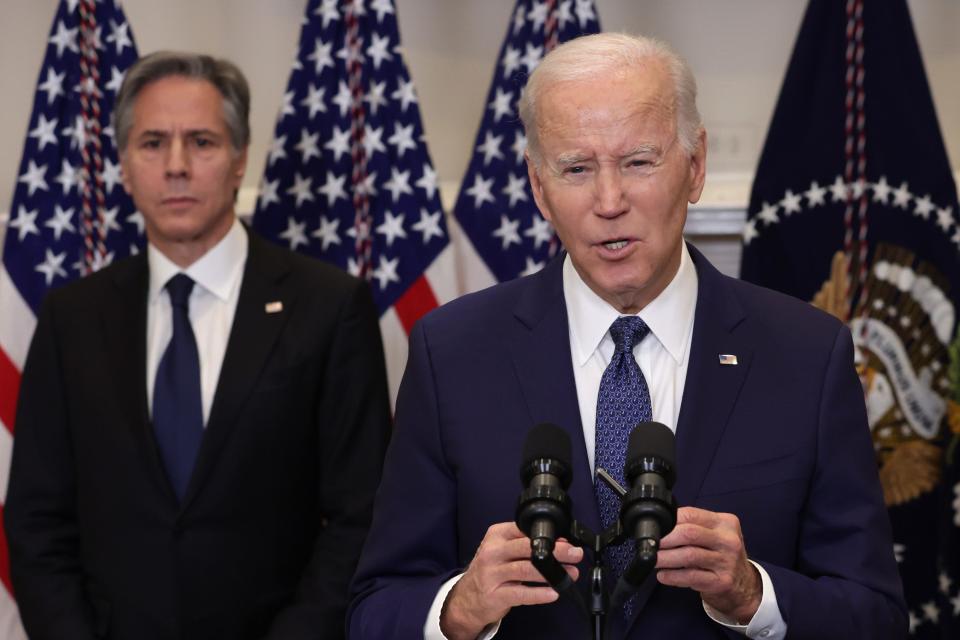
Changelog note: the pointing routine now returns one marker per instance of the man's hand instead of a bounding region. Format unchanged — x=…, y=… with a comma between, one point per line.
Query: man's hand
x=705, y=552
x=493, y=583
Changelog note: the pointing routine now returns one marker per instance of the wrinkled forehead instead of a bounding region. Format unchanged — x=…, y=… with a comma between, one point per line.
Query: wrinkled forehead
x=637, y=106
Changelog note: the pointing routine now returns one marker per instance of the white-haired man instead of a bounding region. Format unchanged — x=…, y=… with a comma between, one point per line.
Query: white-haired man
x=781, y=527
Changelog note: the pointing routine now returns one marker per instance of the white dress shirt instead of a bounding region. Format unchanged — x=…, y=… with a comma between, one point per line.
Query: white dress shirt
x=213, y=303
x=663, y=356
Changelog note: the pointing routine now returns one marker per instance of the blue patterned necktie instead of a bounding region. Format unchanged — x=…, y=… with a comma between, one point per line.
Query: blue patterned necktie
x=622, y=403
x=177, y=407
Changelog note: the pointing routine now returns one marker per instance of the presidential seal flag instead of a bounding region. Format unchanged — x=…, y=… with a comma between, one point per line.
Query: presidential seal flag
x=69, y=215
x=854, y=208
x=348, y=178
x=504, y=235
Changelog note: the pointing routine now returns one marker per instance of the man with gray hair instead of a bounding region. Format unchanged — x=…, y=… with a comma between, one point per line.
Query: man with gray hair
x=781, y=530
x=201, y=427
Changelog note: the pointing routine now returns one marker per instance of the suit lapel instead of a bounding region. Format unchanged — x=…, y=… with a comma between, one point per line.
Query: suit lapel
x=710, y=390
x=124, y=320
x=252, y=337
x=541, y=357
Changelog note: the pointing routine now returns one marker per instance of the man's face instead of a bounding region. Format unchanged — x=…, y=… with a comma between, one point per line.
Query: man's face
x=180, y=167
x=614, y=180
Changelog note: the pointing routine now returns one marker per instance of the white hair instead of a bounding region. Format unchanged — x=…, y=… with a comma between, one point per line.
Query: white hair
x=590, y=56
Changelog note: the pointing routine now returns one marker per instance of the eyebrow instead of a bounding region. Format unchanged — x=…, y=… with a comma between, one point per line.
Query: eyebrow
x=567, y=159
x=643, y=148
x=163, y=133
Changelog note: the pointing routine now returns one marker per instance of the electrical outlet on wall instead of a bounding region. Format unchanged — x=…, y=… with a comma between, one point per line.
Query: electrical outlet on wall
x=732, y=146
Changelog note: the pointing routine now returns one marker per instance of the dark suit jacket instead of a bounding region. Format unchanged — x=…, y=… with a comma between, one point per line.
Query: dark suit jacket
x=780, y=440
x=272, y=523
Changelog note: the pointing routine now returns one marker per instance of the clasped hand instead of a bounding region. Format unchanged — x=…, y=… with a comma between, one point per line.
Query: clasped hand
x=704, y=552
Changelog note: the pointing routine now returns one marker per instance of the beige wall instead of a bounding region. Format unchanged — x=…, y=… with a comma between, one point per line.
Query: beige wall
x=738, y=49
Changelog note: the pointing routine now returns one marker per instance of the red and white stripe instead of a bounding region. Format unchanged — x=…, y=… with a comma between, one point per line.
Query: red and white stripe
x=437, y=285
x=17, y=323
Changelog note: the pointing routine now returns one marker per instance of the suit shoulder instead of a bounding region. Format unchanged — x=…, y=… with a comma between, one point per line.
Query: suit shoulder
x=90, y=289
x=309, y=272
x=787, y=314
x=484, y=308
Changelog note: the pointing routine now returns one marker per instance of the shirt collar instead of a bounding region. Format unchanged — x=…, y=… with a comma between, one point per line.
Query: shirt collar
x=669, y=315
x=218, y=271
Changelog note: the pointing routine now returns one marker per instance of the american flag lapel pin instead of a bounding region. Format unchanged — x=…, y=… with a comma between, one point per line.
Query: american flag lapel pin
x=273, y=307
x=728, y=359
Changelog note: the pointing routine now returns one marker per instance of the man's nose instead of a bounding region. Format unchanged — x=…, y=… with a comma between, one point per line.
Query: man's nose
x=178, y=160
x=610, y=199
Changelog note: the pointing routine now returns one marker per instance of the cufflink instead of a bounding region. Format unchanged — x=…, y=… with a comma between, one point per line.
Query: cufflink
x=727, y=358
x=273, y=307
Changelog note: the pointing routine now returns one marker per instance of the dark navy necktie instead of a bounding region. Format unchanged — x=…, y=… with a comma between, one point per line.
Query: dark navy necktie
x=622, y=403
x=177, y=407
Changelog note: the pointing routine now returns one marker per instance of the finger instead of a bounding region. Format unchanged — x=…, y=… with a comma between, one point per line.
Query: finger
x=726, y=535
x=516, y=595
x=696, y=579
x=524, y=571
x=500, y=545
x=516, y=548
x=566, y=552
x=693, y=558
x=504, y=531
x=693, y=515
x=687, y=534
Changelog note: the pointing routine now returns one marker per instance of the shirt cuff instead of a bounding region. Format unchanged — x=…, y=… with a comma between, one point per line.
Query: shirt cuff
x=431, y=628
x=767, y=623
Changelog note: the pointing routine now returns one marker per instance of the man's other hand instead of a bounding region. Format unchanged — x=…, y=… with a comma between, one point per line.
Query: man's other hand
x=498, y=579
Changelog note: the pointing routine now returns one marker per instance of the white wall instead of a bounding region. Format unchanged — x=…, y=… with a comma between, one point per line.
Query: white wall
x=738, y=49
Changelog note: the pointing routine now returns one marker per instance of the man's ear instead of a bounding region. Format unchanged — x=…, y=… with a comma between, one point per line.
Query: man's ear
x=698, y=167
x=124, y=173
x=240, y=166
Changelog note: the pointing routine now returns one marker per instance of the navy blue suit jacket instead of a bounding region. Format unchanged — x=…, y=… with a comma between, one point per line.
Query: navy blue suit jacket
x=780, y=440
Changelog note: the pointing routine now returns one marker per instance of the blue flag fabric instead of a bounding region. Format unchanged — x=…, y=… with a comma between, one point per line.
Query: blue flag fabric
x=495, y=206
x=348, y=160
x=854, y=208
x=70, y=214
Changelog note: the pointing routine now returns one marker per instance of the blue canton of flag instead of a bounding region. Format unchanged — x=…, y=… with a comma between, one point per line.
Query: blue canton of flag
x=495, y=207
x=63, y=223
x=854, y=207
x=69, y=214
x=348, y=164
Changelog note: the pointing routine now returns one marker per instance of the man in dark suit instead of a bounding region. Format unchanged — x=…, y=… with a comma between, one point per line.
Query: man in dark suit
x=200, y=428
x=781, y=530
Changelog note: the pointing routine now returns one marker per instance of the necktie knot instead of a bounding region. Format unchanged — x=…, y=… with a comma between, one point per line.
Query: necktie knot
x=179, y=288
x=627, y=332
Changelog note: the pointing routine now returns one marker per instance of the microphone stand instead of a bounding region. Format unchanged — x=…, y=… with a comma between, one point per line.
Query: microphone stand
x=542, y=538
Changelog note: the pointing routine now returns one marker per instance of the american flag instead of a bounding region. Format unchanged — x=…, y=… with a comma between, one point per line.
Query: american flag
x=505, y=235
x=69, y=215
x=348, y=178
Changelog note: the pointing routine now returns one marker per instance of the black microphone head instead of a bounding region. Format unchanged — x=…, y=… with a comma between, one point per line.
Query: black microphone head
x=651, y=449
x=547, y=442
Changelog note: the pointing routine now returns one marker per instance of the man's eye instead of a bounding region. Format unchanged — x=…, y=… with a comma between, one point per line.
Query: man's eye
x=203, y=142
x=576, y=170
x=151, y=144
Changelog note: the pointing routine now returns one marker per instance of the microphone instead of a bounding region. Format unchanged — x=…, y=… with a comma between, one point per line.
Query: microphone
x=543, y=510
x=649, y=510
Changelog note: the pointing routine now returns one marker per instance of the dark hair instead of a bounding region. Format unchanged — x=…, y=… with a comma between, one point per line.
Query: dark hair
x=222, y=74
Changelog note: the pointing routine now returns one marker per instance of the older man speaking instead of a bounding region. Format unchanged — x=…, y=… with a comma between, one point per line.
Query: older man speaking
x=781, y=530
